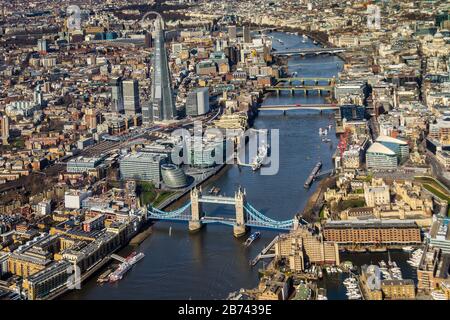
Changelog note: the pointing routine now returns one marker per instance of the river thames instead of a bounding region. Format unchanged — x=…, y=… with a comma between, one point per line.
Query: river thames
x=212, y=263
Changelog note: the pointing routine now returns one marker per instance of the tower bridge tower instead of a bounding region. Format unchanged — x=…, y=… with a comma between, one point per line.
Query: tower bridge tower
x=240, y=228
x=195, y=223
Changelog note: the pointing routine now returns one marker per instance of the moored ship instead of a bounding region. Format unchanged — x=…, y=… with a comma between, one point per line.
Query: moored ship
x=313, y=174
x=123, y=268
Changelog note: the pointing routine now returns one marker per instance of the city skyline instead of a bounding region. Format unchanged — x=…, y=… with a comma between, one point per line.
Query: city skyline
x=235, y=151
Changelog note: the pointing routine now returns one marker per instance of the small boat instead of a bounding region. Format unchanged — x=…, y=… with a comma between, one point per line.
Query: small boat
x=104, y=277
x=408, y=248
x=252, y=238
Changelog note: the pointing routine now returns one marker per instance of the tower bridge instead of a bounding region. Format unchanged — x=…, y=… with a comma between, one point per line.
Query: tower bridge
x=246, y=215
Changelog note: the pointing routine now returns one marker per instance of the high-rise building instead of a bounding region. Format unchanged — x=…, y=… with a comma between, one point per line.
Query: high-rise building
x=5, y=129
x=352, y=112
x=246, y=32
x=42, y=46
x=148, y=41
x=161, y=93
x=197, y=102
x=147, y=112
x=232, y=32
x=131, y=97
x=38, y=96
x=117, y=95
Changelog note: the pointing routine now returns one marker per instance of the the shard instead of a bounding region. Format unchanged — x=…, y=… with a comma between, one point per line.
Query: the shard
x=161, y=93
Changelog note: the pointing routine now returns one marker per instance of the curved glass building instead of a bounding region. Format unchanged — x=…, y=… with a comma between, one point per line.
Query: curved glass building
x=173, y=176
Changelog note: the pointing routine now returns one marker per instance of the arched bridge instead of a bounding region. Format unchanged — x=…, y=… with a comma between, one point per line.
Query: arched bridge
x=304, y=85
x=307, y=51
x=246, y=214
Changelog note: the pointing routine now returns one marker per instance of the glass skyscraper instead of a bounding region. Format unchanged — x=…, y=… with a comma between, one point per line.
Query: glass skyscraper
x=161, y=93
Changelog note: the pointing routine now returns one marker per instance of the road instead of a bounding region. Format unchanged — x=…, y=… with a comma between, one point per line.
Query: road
x=437, y=169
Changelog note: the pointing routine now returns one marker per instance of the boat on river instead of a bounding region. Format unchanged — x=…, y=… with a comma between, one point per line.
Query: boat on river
x=252, y=238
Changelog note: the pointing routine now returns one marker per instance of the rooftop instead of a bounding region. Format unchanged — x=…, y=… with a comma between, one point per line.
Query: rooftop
x=390, y=139
x=379, y=148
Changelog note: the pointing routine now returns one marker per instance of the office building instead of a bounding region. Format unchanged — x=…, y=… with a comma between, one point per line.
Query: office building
x=84, y=164
x=117, y=95
x=44, y=207
x=400, y=147
x=131, y=97
x=352, y=112
x=147, y=112
x=208, y=154
x=42, y=46
x=232, y=32
x=197, y=102
x=351, y=91
x=4, y=122
x=379, y=157
x=73, y=199
x=161, y=93
x=246, y=34
x=439, y=234
x=142, y=166
x=148, y=40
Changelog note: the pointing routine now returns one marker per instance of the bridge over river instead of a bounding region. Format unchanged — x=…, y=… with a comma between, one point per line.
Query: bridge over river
x=307, y=51
x=246, y=214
